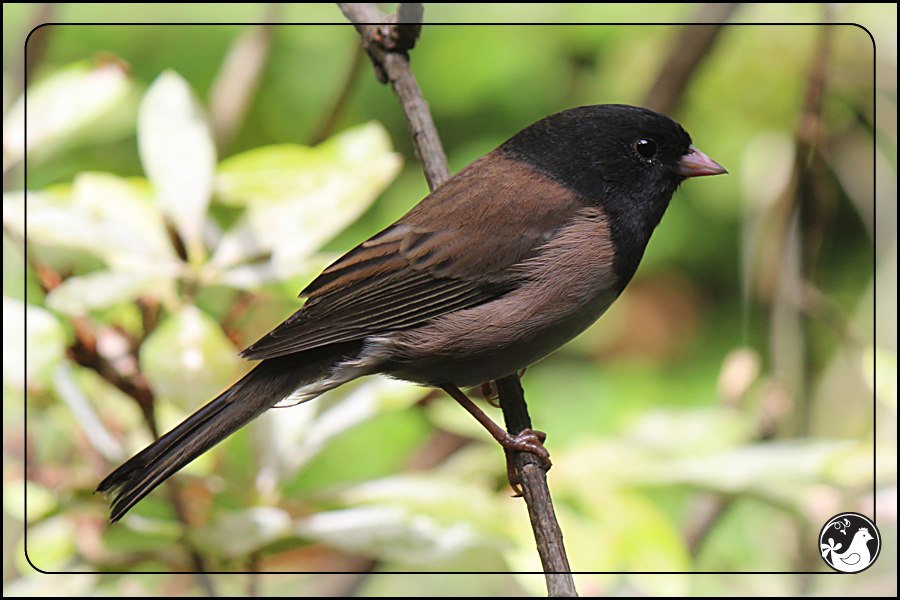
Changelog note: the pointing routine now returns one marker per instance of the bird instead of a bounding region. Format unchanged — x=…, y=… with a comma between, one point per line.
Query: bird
x=502, y=264
x=855, y=558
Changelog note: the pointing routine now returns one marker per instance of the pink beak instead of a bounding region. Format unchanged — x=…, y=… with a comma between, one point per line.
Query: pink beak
x=697, y=164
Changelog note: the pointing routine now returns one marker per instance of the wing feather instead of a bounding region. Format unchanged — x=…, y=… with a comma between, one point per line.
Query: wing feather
x=456, y=249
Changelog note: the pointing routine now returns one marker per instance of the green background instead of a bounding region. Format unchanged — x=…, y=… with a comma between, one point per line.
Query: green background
x=646, y=430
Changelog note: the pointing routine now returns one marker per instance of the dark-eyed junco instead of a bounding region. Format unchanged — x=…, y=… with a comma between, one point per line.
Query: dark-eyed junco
x=501, y=265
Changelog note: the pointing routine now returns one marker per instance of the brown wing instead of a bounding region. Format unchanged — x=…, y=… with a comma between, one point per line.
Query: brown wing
x=453, y=250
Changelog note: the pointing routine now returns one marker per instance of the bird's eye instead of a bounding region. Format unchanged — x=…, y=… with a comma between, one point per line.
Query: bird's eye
x=646, y=148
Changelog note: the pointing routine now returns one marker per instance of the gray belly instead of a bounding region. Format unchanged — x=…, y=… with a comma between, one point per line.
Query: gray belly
x=490, y=341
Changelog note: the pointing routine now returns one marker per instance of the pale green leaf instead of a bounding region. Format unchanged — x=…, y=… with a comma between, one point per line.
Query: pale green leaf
x=188, y=359
x=412, y=518
x=51, y=545
x=178, y=155
x=60, y=105
x=104, y=215
x=41, y=500
x=237, y=534
x=298, y=198
x=44, y=342
x=295, y=436
x=101, y=289
x=880, y=371
x=111, y=218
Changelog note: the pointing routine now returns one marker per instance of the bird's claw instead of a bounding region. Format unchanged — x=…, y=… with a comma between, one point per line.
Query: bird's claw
x=490, y=394
x=531, y=441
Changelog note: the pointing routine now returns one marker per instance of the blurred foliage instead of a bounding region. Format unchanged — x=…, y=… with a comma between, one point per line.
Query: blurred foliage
x=711, y=421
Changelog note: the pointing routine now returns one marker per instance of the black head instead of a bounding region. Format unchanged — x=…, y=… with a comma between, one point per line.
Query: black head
x=624, y=159
x=608, y=153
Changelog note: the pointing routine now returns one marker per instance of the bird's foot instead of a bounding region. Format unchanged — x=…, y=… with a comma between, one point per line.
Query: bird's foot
x=531, y=441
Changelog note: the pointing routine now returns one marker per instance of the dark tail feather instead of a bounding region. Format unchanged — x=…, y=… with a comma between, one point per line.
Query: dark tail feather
x=263, y=387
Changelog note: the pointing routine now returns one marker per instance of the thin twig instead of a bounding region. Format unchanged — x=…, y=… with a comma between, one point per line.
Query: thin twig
x=536, y=492
x=685, y=57
x=238, y=79
x=83, y=351
x=387, y=42
x=337, y=107
x=37, y=42
x=387, y=39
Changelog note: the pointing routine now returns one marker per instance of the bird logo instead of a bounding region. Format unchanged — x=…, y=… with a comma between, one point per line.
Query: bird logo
x=862, y=550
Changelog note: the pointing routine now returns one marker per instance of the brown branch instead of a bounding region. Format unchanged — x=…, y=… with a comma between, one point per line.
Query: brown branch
x=238, y=78
x=37, y=42
x=337, y=107
x=387, y=39
x=83, y=351
x=796, y=223
x=547, y=533
x=686, y=56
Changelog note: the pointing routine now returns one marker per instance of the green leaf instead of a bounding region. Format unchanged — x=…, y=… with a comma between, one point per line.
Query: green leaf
x=188, y=359
x=51, y=545
x=44, y=341
x=237, y=534
x=880, y=370
x=113, y=219
x=60, y=105
x=178, y=155
x=418, y=519
x=102, y=289
x=104, y=215
x=295, y=435
x=297, y=198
